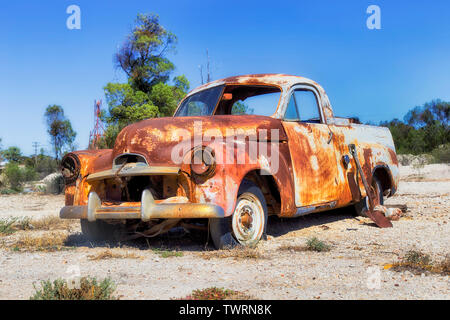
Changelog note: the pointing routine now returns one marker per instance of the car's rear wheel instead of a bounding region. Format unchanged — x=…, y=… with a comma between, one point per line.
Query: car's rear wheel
x=362, y=206
x=247, y=225
x=100, y=230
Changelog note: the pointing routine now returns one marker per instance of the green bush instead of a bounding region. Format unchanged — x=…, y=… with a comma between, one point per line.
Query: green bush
x=314, y=244
x=16, y=176
x=7, y=226
x=88, y=289
x=8, y=191
x=442, y=154
x=29, y=174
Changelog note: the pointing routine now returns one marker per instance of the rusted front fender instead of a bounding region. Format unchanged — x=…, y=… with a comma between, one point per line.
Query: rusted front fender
x=222, y=188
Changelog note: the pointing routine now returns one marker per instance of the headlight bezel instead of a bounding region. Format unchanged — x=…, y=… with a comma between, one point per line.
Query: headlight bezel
x=207, y=167
x=70, y=168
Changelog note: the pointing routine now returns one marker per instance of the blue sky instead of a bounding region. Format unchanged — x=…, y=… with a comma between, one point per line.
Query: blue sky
x=373, y=74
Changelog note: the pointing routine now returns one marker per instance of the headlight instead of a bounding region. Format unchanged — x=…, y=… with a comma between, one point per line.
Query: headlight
x=70, y=167
x=203, y=163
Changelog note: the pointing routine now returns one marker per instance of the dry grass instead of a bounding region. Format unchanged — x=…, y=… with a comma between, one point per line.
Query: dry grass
x=53, y=241
x=110, y=254
x=214, y=293
x=49, y=223
x=237, y=253
x=418, y=262
x=292, y=248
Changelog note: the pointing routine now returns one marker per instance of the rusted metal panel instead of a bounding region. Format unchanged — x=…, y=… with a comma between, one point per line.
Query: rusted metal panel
x=314, y=163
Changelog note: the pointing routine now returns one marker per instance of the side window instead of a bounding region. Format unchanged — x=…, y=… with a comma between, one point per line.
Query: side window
x=307, y=105
x=291, y=112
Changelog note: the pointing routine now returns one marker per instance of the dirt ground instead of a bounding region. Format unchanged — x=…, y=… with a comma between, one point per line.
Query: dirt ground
x=354, y=268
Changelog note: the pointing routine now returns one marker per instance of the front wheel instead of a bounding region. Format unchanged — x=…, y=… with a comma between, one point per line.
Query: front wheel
x=100, y=230
x=247, y=225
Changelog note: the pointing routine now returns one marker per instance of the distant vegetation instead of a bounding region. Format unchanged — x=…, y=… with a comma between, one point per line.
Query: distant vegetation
x=21, y=169
x=424, y=129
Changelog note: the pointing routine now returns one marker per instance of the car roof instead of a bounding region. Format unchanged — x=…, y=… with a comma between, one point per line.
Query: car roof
x=284, y=81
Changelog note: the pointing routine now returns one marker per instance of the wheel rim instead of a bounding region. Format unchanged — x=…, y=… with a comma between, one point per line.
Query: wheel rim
x=248, y=220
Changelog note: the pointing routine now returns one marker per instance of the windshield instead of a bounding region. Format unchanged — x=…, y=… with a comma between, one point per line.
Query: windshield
x=259, y=100
x=201, y=103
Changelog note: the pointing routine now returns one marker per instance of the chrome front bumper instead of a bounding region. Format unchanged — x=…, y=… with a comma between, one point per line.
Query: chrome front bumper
x=147, y=210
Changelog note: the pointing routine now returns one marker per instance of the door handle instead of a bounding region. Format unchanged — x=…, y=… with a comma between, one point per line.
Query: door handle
x=330, y=136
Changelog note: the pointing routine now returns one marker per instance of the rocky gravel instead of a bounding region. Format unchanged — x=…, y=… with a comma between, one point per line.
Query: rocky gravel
x=354, y=268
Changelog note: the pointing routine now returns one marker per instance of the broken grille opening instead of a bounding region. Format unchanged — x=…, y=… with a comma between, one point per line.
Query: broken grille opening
x=129, y=189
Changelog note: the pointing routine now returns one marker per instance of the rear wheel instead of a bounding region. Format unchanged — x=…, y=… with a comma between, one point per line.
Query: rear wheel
x=100, y=230
x=248, y=223
x=362, y=206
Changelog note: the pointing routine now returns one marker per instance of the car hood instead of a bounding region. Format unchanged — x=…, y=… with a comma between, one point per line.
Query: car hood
x=155, y=138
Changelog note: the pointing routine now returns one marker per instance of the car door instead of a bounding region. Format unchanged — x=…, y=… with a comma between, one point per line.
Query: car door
x=312, y=150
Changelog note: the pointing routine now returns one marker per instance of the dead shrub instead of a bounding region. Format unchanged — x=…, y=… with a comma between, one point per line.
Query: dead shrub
x=53, y=241
x=418, y=262
x=215, y=293
x=292, y=248
x=109, y=254
x=237, y=253
x=88, y=289
x=50, y=223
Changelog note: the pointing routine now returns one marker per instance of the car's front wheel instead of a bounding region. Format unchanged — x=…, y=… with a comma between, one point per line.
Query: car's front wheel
x=247, y=225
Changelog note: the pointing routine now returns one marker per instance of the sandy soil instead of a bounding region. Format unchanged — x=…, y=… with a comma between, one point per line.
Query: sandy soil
x=353, y=269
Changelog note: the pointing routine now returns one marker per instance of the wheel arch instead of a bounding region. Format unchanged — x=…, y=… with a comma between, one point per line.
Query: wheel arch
x=384, y=175
x=269, y=187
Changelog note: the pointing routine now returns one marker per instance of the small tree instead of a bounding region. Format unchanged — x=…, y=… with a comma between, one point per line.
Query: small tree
x=60, y=130
x=12, y=154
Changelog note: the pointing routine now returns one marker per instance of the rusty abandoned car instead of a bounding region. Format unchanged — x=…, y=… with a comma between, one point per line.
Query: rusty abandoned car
x=235, y=151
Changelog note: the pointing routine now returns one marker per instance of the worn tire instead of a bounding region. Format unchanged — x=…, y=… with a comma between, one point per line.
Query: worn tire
x=363, y=205
x=100, y=230
x=225, y=231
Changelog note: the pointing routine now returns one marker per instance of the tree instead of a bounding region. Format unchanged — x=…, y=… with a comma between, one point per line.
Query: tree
x=142, y=56
x=12, y=154
x=148, y=93
x=60, y=130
